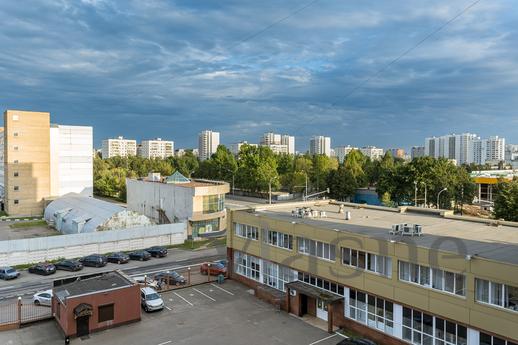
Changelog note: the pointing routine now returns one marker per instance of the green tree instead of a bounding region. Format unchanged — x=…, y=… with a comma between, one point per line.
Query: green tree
x=354, y=162
x=342, y=183
x=320, y=168
x=506, y=201
x=257, y=168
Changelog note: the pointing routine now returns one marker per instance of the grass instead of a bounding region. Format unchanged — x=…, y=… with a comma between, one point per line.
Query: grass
x=202, y=244
x=26, y=266
x=29, y=224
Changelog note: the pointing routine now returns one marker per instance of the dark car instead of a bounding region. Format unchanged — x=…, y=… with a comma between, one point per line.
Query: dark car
x=140, y=255
x=7, y=273
x=43, y=268
x=94, y=260
x=69, y=265
x=157, y=251
x=215, y=268
x=359, y=341
x=118, y=258
x=170, y=278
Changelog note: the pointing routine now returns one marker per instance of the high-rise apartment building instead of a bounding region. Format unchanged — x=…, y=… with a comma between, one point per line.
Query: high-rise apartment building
x=236, y=147
x=119, y=147
x=417, y=151
x=489, y=150
x=458, y=147
x=156, y=148
x=342, y=151
x=208, y=142
x=41, y=160
x=397, y=152
x=372, y=152
x=511, y=152
x=289, y=142
x=320, y=145
x=279, y=143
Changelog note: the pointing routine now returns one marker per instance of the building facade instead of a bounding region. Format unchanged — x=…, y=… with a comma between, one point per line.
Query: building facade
x=373, y=152
x=341, y=151
x=460, y=147
x=236, y=147
x=119, y=147
x=451, y=283
x=41, y=161
x=208, y=142
x=320, y=145
x=279, y=144
x=417, y=151
x=199, y=203
x=156, y=148
x=397, y=152
x=511, y=153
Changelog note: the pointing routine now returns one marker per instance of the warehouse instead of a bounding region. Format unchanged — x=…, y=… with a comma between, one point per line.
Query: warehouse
x=398, y=276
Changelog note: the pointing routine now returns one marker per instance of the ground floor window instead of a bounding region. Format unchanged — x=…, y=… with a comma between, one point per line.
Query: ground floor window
x=201, y=227
x=247, y=265
x=371, y=310
x=486, y=339
x=321, y=283
x=426, y=329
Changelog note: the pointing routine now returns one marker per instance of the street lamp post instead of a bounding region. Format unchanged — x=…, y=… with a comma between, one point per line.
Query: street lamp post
x=415, y=193
x=425, y=194
x=439, y=195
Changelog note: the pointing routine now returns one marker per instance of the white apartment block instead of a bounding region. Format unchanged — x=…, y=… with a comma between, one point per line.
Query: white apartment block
x=236, y=147
x=208, y=142
x=458, y=147
x=417, y=151
x=279, y=143
x=320, y=145
x=511, y=153
x=119, y=147
x=289, y=141
x=71, y=161
x=341, y=151
x=490, y=150
x=156, y=148
x=373, y=152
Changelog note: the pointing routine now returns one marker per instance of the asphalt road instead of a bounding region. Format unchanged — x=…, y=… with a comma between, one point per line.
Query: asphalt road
x=28, y=284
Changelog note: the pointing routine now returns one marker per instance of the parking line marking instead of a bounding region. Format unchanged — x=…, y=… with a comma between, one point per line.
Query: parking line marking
x=321, y=340
x=342, y=335
x=204, y=294
x=183, y=299
x=166, y=342
x=230, y=293
x=167, y=307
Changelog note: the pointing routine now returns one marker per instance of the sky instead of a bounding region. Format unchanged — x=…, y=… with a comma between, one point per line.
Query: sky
x=169, y=69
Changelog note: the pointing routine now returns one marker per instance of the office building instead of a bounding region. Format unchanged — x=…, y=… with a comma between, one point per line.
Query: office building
x=199, y=203
x=320, y=145
x=208, y=142
x=341, y=151
x=372, y=152
x=119, y=147
x=417, y=151
x=42, y=161
x=396, y=277
x=397, y=152
x=156, y=148
x=279, y=143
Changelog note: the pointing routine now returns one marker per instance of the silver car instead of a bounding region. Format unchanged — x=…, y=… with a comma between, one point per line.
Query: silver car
x=42, y=298
x=7, y=273
x=150, y=299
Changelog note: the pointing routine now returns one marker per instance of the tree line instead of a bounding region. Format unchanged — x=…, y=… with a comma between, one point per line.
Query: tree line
x=256, y=168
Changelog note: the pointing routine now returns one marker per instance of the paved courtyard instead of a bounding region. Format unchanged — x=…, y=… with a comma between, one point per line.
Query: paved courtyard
x=226, y=314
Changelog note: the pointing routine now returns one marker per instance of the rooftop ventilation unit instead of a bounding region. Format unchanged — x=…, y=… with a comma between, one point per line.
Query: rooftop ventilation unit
x=406, y=229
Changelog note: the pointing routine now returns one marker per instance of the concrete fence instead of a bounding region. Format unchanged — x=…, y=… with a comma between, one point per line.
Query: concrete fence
x=31, y=250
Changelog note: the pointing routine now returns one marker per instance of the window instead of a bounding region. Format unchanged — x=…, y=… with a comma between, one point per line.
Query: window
x=322, y=283
x=367, y=261
x=16, y=174
x=105, y=312
x=15, y=148
x=486, y=339
x=246, y=231
x=319, y=249
x=372, y=311
x=276, y=276
x=496, y=294
x=278, y=239
x=15, y=134
x=16, y=201
x=213, y=203
x=204, y=226
x=16, y=188
x=247, y=265
x=426, y=329
x=434, y=278
x=16, y=117
x=15, y=161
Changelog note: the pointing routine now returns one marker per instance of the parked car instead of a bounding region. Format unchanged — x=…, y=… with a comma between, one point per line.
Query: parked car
x=118, y=258
x=7, y=273
x=150, y=299
x=170, y=278
x=146, y=281
x=140, y=255
x=358, y=341
x=42, y=298
x=69, y=265
x=224, y=262
x=215, y=269
x=43, y=268
x=94, y=260
x=157, y=251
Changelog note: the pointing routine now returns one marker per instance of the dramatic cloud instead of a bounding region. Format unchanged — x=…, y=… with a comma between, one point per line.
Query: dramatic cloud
x=169, y=69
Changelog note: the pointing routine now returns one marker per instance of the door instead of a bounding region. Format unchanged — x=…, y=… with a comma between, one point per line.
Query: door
x=303, y=304
x=83, y=326
x=321, y=309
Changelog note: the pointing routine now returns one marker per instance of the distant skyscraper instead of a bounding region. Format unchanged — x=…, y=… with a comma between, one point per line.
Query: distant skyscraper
x=490, y=150
x=208, y=142
x=417, y=151
x=289, y=141
x=320, y=145
x=459, y=147
x=119, y=147
x=342, y=151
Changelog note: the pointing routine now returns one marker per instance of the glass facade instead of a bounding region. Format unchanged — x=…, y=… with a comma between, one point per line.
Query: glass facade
x=213, y=203
x=426, y=329
x=372, y=311
x=202, y=227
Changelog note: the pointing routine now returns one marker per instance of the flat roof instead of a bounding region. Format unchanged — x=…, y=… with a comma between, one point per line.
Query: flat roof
x=89, y=285
x=499, y=243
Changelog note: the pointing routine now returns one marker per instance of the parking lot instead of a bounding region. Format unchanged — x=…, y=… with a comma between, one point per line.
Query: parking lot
x=210, y=313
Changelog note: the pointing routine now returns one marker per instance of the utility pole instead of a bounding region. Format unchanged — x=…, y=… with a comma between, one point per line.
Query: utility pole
x=438, y=196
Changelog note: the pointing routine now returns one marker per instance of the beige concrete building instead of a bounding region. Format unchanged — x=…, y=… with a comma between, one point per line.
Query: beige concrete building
x=119, y=147
x=41, y=161
x=200, y=203
x=398, y=276
x=156, y=148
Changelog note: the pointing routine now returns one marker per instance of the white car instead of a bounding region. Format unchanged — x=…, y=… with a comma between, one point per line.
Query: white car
x=146, y=281
x=42, y=298
x=150, y=299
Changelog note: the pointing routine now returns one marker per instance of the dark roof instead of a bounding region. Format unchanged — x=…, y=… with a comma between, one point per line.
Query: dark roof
x=106, y=281
x=313, y=291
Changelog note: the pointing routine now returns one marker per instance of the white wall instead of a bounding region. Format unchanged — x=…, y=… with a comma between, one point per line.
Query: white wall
x=17, y=252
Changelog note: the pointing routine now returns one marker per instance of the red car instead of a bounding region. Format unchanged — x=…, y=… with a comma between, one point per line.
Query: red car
x=216, y=268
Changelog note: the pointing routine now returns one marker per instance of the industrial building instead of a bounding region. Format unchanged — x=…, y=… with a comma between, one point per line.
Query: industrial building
x=397, y=276
x=41, y=160
x=200, y=203
x=74, y=213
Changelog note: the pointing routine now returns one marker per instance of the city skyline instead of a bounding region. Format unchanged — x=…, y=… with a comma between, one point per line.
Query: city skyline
x=132, y=83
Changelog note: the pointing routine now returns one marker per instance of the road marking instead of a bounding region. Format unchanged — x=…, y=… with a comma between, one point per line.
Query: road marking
x=166, y=342
x=184, y=299
x=230, y=293
x=321, y=340
x=7, y=287
x=167, y=307
x=204, y=294
x=342, y=335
